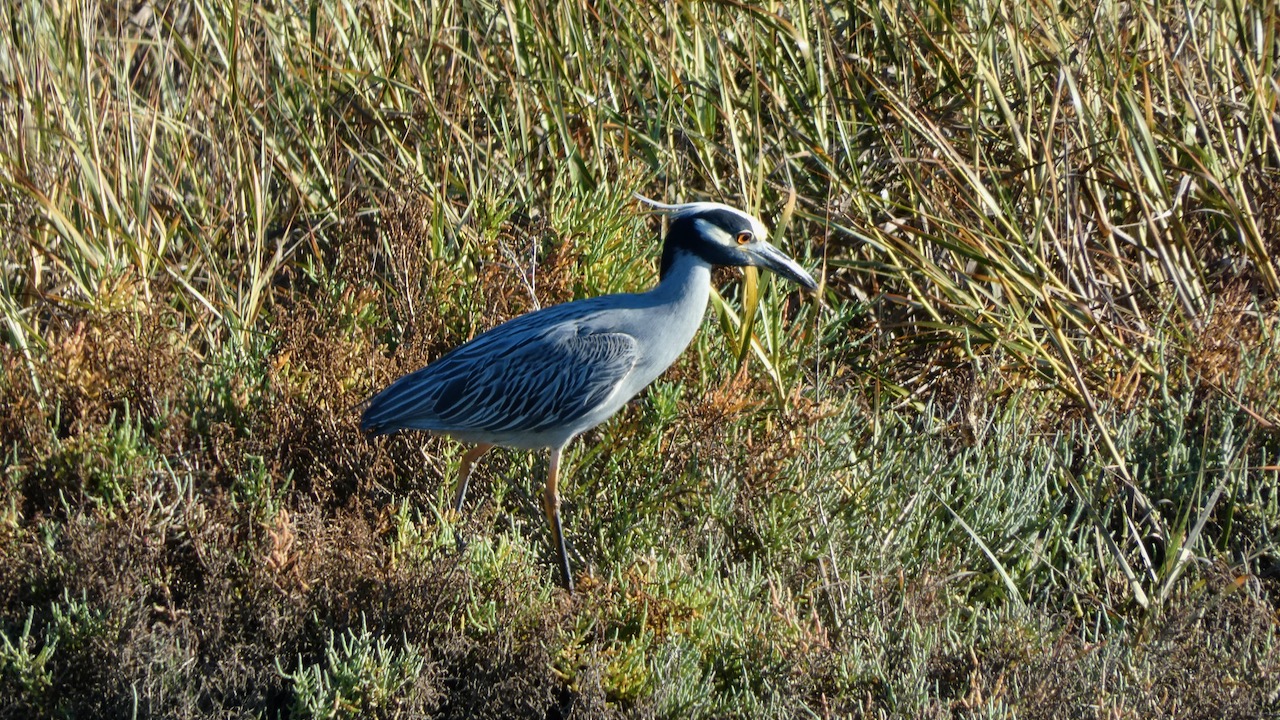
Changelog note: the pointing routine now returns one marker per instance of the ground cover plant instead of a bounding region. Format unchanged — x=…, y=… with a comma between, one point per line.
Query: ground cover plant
x=1019, y=458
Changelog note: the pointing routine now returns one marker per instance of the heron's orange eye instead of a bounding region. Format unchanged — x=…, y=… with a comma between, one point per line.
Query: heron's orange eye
x=744, y=237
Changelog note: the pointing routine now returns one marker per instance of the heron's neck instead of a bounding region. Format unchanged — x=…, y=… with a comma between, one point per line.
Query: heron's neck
x=675, y=247
x=676, y=308
x=684, y=277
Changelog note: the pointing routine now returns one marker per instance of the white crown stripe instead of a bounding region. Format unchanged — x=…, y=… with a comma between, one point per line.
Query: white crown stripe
x=694, y=208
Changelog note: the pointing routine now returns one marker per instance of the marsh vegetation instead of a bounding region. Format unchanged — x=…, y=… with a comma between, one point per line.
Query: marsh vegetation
x=1020, y=459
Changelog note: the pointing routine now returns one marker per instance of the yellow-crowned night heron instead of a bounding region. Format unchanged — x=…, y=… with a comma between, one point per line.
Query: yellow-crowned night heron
x=539, y=380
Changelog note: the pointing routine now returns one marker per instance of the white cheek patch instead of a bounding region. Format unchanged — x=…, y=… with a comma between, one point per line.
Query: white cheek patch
x=713, y=232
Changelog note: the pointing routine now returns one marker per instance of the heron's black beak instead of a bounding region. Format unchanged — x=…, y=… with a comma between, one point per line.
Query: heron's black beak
x=768, y=256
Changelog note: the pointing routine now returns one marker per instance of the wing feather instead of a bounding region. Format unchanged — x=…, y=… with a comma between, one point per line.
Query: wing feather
x=517, y=378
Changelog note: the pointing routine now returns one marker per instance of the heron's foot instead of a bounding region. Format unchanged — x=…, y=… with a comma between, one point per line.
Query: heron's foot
x=452, y=518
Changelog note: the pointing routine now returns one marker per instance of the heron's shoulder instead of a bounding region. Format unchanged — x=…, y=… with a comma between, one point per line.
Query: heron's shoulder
x=541, y=330
x=588, y=315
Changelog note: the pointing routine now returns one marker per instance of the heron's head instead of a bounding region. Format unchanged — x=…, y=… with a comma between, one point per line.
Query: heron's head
x=722, y=235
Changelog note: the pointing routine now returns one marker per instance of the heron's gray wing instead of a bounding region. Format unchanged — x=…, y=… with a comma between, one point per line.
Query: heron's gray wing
x=510, y=382
x=548, y=383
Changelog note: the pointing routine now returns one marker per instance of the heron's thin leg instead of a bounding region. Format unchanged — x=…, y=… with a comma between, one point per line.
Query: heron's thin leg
x=551, y=504
x=464, y=473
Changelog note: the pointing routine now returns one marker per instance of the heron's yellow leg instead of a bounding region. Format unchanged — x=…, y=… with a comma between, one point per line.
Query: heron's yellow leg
x=551, y=505
x=464, y=473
